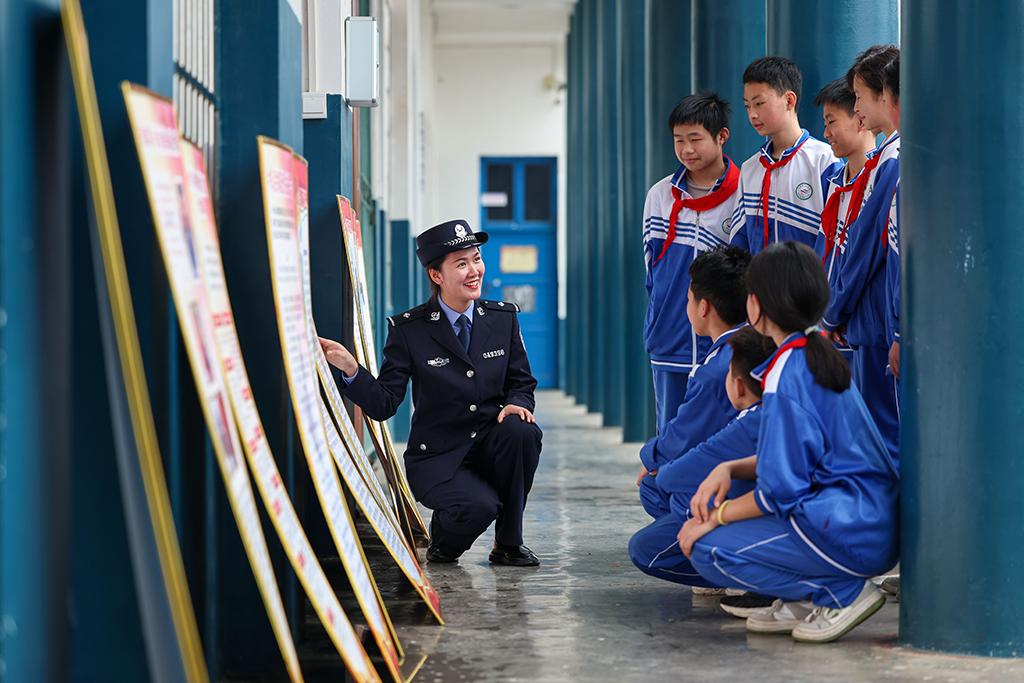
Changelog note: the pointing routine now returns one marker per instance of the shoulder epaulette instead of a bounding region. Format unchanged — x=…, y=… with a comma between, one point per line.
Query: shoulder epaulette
x=411, y=314
x=499, y=305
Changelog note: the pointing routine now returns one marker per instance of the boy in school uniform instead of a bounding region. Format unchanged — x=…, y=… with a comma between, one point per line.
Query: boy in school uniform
x=685, y=214
x=858, y=283
x=781, y=196
x=716, y=308
x=655, y=548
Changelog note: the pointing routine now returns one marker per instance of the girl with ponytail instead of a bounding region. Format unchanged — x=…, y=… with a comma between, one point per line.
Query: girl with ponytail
x=822, y=517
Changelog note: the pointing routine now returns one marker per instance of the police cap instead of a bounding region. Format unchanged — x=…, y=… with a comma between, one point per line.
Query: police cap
x=445, y=238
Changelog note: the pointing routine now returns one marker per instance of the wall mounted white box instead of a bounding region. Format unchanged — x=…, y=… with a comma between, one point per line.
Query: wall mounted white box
x=362, y=62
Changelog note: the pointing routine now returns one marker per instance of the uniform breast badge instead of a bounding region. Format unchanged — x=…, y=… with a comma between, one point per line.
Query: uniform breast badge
x=438, y=362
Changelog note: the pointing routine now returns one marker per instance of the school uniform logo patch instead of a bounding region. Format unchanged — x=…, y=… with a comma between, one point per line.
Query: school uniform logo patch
x=804, y=191
x=727, y=226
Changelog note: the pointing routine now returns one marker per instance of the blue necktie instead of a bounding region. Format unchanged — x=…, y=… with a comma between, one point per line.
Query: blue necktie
x=464, y=331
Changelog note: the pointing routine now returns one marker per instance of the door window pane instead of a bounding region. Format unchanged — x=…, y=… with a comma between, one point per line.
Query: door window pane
x=538, y=192
x=499, y=179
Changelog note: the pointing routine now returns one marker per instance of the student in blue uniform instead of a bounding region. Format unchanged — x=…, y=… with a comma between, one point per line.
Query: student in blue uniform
x=780, y=186
x=858, y=284
x=655, y=548
x=715, y=309
x=891, y=94
x=473, y=445
x=822, y=517
x=685, y=214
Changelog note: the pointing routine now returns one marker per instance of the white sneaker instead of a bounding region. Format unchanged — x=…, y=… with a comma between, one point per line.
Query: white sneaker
x=781, y=617
x=826, y=624
x=735, y=591
x=701, y=590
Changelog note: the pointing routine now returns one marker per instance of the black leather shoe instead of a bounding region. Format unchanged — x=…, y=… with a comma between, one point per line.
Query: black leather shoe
x=513, y=555
x=435, y=554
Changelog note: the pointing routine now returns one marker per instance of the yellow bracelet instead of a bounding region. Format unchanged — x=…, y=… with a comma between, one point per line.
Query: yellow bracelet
x=722, y=522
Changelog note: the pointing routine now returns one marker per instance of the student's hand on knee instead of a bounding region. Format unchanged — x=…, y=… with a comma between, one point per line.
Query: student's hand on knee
x=692, y=532
x=713, y=489
x=894, y=359
x=511, y=409
x=643, y=473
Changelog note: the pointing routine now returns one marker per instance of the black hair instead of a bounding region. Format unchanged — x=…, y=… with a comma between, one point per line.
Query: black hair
x=870, y=64
x=750, y=349
x=891, y=77
x=435, y=289
x=779, y=73
x=790, y=284
x=717, y=276
x=838, y=95
x=707, y=109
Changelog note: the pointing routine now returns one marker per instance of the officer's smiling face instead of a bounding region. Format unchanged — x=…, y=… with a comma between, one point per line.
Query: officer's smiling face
x=460, y=277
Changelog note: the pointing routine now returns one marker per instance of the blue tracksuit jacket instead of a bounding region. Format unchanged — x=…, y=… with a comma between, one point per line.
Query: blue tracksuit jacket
x=823, y=468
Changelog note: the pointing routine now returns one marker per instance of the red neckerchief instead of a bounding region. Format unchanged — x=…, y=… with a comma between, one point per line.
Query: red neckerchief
x=766, y=182
x=830, y=215
x=793, y=344
x=729, y=184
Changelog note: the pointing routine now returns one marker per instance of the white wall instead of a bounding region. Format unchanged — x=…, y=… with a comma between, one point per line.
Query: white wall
x=492, y=101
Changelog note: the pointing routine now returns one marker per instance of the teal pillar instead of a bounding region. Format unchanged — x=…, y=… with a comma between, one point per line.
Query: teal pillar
x=638, y=417
x=727, y=36
x=259, y=82
x=823, y=38
x=610, y=281
x=961, y=323
x=35, y=340
x=596, y=372
x=668, y=79
x=574, y=339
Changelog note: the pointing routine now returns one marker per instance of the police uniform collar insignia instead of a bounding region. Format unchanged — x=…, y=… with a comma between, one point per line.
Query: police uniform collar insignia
x=501, y=303
x=438, y=362
x=480, y=310
x=406, y=314
x=435, y=316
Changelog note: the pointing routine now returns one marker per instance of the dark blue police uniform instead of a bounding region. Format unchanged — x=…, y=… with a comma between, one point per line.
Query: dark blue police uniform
x=460, y=462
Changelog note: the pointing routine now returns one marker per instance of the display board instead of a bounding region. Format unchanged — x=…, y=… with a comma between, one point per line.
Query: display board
x=277, y=174
x=174, y=650
x=257, y=449
x=155, y=130
x=366, y=355
x=346, y=447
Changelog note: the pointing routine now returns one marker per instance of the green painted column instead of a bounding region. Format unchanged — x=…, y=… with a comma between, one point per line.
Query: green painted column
x=727, y=36
x=596, y=371
x=610, y=278
x=668, y=79
x=824, y=37
x=638, y=417
x=569, y=342
x=961, y=324
x=259, y=82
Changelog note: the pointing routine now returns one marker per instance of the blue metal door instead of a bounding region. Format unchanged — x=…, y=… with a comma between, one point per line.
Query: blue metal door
x=518, y=211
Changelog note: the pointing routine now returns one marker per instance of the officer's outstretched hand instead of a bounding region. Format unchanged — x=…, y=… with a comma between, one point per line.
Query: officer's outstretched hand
x=510, y=409
x=339, y=357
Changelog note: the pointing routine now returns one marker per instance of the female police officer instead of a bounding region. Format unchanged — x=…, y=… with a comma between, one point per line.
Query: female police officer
x=473, y=446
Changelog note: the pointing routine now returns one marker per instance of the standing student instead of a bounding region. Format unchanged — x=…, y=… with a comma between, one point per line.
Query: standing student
x=715, y=309
x=822, y=517
x=891, y=93
x=858, y=281
x=685, y=214
x=781, y=190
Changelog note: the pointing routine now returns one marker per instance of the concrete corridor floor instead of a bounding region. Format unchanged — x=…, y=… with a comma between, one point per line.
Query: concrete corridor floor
x=586, y=614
